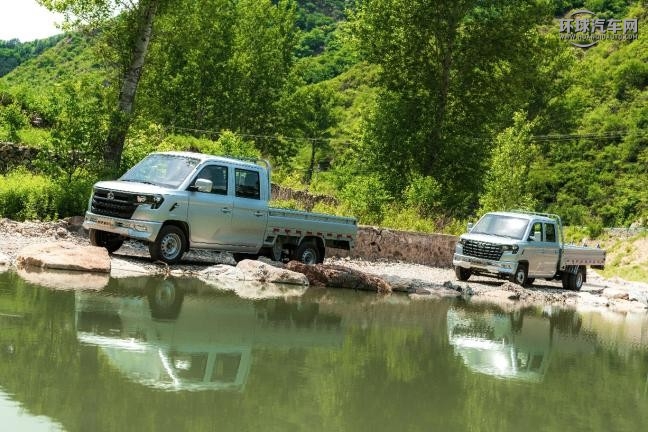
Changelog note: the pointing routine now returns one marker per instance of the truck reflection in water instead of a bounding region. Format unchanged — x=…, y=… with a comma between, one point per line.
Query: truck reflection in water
x=172, y=341
x=514, y=345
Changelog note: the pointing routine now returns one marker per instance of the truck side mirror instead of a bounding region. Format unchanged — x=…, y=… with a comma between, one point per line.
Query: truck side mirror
x=202, y=185
x=470, y=226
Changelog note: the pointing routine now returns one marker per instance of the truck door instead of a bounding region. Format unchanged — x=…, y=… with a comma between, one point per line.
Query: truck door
x=551, y=253
x=534, y=249
x=210, y=213
x=250, y=210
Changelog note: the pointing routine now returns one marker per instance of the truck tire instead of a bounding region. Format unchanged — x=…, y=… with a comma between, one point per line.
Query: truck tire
x=520, y=275
x=573, y=282
x=104, y=239
x=169, y=246
x=307, y=253
x=462, y=273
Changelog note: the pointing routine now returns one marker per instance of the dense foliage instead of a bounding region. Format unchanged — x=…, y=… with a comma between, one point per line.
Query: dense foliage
x=415, y=114
x=14, y=52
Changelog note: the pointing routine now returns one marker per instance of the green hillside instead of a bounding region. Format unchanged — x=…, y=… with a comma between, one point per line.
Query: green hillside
x=414, y=114
x=13, y=52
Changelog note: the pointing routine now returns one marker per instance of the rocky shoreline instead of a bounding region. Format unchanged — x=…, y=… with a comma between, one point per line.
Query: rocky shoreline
x=418, y=281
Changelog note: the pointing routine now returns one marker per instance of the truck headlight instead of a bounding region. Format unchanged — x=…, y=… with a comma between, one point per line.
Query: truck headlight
x=511, y=248
x=154, y=200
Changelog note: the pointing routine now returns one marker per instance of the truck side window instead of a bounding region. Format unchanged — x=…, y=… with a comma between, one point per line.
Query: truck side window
x=536, y=230
x=218, y=176
x=247, y=184
x=550, y=232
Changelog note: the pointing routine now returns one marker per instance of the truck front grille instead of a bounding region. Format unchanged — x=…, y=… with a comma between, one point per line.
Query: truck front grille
x=485, y=250
x=113, y=203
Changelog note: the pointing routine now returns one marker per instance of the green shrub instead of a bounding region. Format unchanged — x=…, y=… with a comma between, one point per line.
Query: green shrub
x=367, y=198
x=27, y=196
x=407, y=219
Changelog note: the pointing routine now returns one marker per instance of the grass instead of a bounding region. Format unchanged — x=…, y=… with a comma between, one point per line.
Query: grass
x=628, y=258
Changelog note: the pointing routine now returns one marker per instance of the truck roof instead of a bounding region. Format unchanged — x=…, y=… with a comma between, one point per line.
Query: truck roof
x=526, y=215
x=207, y=157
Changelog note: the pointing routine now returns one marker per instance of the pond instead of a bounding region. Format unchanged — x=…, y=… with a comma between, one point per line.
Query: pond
x=151, y=354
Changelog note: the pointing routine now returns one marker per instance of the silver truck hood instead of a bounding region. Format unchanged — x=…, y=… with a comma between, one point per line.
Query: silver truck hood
x=134, y=187
x=490, y=238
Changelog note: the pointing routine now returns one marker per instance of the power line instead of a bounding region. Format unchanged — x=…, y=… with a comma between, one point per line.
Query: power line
x=640, y=133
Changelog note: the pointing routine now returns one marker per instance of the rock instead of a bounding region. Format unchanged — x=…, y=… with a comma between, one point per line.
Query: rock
x=640, y=296
x=335, y=276
x=615, y=293
x=228, y=278
x=61, y=232
x=64, y=256
x=63, y=279
x=262, y=272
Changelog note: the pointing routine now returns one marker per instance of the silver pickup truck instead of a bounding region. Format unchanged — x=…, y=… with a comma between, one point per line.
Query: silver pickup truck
x=174, y=201
x=521, y=246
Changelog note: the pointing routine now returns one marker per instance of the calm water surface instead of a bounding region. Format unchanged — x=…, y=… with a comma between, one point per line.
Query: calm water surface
x=153, y=355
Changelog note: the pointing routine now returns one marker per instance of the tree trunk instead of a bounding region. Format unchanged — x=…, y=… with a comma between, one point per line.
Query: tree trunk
x=121, y=118
x=311, y=166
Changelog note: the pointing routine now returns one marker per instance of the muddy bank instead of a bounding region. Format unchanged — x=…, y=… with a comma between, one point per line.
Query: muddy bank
x=418, y=281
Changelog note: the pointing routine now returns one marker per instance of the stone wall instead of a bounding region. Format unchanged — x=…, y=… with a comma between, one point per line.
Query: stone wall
x=380, y=243
x=13, y=155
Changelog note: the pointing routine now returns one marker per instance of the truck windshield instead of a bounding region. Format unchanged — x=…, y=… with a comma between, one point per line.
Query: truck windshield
x=500, y=225
x=162, y=170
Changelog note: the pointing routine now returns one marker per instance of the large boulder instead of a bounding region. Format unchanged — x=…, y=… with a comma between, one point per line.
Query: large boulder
x=246, y=284
x=262, y=272
x=64, y=256
x=336, y=276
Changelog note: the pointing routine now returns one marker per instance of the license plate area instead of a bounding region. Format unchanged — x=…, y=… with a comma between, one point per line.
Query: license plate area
x=108, y=223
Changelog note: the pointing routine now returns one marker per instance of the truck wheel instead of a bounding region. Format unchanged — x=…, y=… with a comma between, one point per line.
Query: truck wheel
x=462, y=273
x=307, y=253
x=573, y=282
x=169, y=246
x=104, y=239
x=520, y=275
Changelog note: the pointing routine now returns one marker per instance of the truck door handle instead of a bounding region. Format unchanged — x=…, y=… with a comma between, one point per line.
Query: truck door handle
x=226, y=210
x=259, y=213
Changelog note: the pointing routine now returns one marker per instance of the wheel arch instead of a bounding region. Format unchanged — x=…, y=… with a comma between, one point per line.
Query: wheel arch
x=319, y=242
x=184, y=226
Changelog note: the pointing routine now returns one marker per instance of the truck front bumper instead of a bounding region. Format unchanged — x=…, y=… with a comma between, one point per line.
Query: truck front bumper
x=480, y=265
x=136, y=229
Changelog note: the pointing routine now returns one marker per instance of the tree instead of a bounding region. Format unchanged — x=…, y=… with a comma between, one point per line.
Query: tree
x=14, y=119
x=223, y=64
x=310, y=113
x=452, y=73
x=507, y=181
x=95, y=13
x=78, y=133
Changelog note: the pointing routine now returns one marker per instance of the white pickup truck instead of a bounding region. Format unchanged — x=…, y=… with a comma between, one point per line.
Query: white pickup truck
x=522, y=246
x=174, y=201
